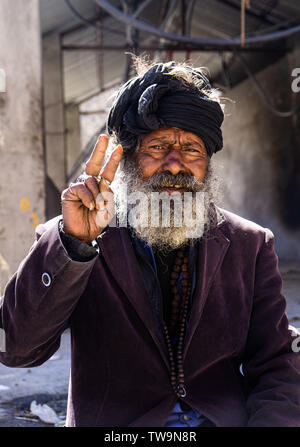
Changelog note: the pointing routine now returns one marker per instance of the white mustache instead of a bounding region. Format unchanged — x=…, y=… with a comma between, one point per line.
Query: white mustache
x=181, y=180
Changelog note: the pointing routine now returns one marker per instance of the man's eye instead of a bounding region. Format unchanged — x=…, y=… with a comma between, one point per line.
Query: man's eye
x=156, y=146
x=190, y=149
x=195, y=152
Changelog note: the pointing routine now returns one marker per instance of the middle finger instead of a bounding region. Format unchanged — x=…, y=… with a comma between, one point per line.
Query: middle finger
x=109, y=170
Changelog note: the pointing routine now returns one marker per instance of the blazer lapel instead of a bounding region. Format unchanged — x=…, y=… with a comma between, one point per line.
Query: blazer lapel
x=212, y=250
x=117, y=249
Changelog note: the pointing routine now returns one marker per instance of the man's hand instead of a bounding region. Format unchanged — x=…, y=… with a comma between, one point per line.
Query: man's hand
x=88, y=206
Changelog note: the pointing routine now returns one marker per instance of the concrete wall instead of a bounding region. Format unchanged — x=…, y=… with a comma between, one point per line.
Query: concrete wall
x=260, y=162
x=54, y=118
x=22, y=192
x=73, y=143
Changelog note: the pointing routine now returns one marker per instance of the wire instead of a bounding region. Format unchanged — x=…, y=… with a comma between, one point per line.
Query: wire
x=233, y=43
x=87, y=21
x=262, y=94
x=94, y=25
x=79, y=16
x=225, y=70
x=189, y=15
x=141, y=8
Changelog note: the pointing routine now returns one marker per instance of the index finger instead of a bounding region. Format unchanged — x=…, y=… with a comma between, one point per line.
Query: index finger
x=93, y=165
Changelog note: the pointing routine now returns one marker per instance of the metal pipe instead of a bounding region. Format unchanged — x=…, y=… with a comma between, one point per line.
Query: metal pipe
x=168, y=48
x=220, y=43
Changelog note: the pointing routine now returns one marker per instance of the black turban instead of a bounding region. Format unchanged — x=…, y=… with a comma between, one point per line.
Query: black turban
x=158, y=99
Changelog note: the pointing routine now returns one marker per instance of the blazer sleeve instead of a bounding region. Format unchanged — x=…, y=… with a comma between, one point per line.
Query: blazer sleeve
x=271, y=364
x=40, y=298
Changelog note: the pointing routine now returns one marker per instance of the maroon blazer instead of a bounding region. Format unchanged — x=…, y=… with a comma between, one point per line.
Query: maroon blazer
x=239, y=365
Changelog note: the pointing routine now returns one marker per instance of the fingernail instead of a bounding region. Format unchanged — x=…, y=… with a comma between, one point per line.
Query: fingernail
x=118, y=149
x=91, y=206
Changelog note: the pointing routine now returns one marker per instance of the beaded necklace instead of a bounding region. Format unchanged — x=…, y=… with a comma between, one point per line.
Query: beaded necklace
x=174, y=335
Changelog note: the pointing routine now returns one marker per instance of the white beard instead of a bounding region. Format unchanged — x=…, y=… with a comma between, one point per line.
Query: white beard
x=150, y=222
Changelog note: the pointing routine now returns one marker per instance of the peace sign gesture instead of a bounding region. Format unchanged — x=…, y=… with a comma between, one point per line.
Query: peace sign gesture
x=88, y=206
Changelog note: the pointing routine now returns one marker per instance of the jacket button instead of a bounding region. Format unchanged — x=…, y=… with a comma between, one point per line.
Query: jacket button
x=46, y=279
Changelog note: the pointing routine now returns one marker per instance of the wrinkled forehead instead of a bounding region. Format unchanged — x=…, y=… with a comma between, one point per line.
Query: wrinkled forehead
x=171, y=135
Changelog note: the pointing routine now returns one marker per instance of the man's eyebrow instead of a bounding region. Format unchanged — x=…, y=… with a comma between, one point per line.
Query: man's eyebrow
x=192, y=142
x=164, y=139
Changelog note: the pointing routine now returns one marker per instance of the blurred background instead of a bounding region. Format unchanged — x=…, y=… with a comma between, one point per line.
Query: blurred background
x=61, y=62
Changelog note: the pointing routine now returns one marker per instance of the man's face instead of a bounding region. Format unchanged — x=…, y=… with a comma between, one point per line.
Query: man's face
x=172, y=150
x=168, y=161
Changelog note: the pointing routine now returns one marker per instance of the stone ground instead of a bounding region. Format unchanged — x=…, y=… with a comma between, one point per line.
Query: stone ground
x=48, y=383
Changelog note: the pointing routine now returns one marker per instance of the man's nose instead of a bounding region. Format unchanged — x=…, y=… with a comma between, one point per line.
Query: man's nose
x=173, y=162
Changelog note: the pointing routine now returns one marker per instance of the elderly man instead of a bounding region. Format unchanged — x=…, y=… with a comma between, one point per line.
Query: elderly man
x=171, y=325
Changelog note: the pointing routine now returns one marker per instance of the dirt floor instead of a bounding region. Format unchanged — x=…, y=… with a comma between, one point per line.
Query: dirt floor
x=48, y=383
